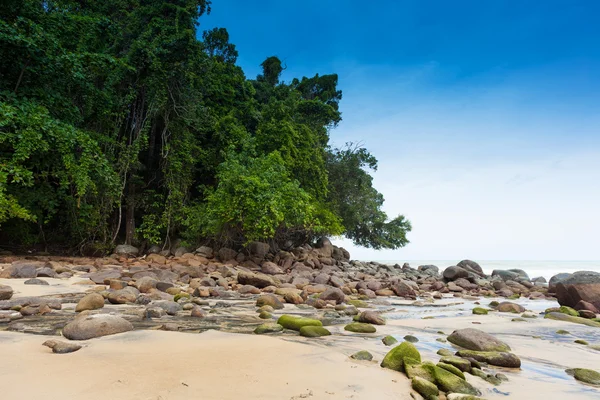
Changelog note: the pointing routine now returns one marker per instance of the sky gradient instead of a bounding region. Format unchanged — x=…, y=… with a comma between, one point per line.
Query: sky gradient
x=484, y=115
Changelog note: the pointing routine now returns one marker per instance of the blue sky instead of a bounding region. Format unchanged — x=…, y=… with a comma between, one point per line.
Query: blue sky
x=484, y=115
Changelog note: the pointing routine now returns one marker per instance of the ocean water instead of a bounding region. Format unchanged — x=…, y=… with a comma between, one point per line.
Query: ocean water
x=534, y=268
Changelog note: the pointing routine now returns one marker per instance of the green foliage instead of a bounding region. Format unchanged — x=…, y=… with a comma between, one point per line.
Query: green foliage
x=118, y=124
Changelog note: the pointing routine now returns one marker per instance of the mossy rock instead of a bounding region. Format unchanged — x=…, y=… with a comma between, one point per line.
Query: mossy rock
x=581, y=341
x=358, y=303
x=486, y=377
x=558, y=316
x=518, y=319
x=441, y=340
x=420, y=370
x=459, y=396
x=269, y=327
x=269, y=300
x=429, y=317
x=460, y=363
x=568, y=311
x=451, y=368
x=451, y=383
x=494, y=303
x=497, y=358
x=314, y=331
x=389, y=340
x=362, y=355
x=514, y=296
x=181, y=295
x=295, y=323
x=360, y=327
x=562, y=332
x=445, y=352
x=480, y=311
x=266, y=308
x=425, y=388
x=396, y=357
x=585, y=375
x=411, y=338
x=265, y=315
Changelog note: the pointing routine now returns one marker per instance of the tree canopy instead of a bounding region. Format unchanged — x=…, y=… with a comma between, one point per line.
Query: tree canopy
x=123, y=121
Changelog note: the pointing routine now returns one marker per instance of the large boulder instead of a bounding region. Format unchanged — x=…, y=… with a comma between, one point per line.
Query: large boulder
x=429, y=270
x=6, y=292
x=581, y=286
x=474, y=339
x=471, y=266
x=87, y=327
x=403, y=289
x=404, y=353
x=454, y=272
x=21, y=270
x=505, y=275
x=555, y=279
x=255, y=279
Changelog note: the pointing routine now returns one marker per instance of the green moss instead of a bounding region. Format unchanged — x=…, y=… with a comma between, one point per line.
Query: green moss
x=458, y=362
x=313, y=331
x=562, y=332
x=360, y=327
x=362, y=355
x=389, y=340
x=451, y=383
x=568, y=311
x=268, y=327
x=569, y=318
x=358, y=303
x=400, y=354
x=425, y=388
x=445, y=352
x=295, y=323
x=493, y=303
x=451, y=368
x=480, y=311
x=514, y=296
x=415, y=369
x=581, y=341
x=181, y=295
x=497, y=358
x=487, y=377
x=265, y=315
x=585, y=375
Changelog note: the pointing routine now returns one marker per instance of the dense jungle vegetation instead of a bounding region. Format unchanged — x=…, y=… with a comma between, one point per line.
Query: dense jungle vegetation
x=121, y=121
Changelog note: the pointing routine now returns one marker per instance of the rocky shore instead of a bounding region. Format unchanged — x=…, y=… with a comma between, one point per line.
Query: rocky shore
x=379, y=331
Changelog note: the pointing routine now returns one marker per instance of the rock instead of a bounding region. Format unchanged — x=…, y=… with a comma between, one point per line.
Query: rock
x=429, y=270
x=497, y=358
x=585, y=375
x=584, y=305
x=362, y=355
x=389, y=340
x=271, y=268
x=21, y=270
x=145, y=284
x=587, y=314
x=371, y=317
x=459, y=396
x=293, y=298
x=458, y=362
x=448, y=382
x=258, y=249
x=104, y=276
x=555, y=280
x=453, y=369
x=425, y=388
x=265, y=315
x=122, y=296
x=92, y=301
x=444, y=352
x=580, y=286
x=60, y=347
x=154, y=312
x=405, y=352
x=569, y=318
x=197, y=312
x=411, y=339
x=180, y=251
x=453, y=273
x=471, y=266
x=568, y=311
x=360, y=327
x=269, y=300
x=205, y=251
x=507, y=306
x=35, y=281
x=333, y=294
x=170, y=307
x=480, y=311
x=505, y=275
x=6, y=292
x=127, y=250
x=314, y=331
x=269, y=327
x=225, y=254
x=86, y=327
x=295, y=323
x=474, y=339
x=403, y=289
x=255, y=279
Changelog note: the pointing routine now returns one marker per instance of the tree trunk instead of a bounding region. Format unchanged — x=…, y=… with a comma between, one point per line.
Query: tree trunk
x=130, y=214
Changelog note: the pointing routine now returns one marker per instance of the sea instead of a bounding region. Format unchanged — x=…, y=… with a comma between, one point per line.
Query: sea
x=534, y=268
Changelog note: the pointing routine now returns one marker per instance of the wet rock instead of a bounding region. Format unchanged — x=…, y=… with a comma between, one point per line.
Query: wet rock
x=101, y=277
x=92, y=301
x=6, y=292
x=586, y=314
x=584, y=305
x=474, y=339
x=146, y=284
x=451, y=368
x=293, y=298
x=255, y=279
x=60, y=347
x=555, y=280
x=585, y=375
x=360, y=327
x=46, y=272
x=269, y=327
x=425, y=388
x=497, y=358
x=458, y=362
x=371, y=317
x=389, y=340
x=269, y=300
x=314, y=331
x=295, y=323
x=405, y=352
x=86, y=327
x=403, y=289
x=411, y=339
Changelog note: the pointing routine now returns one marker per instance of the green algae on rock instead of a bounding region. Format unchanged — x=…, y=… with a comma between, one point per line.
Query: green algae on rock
x=389, y=340
x=362, y=355
x=360, y=327
x=314, y=331
x=452, y=368
x=581, y=341
x=445, y=352
x=411, y=338
x=486, y=377
x=497, y=358
x=585, y=375
x=419, y=370
x=269, y=327
x=295, y=323
x=558, y=316
x=562, y=332
x=480, y=311
x=458, y=362
x=405, y=352
x=425, y=388
x=449, y=382
x=569, y=311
